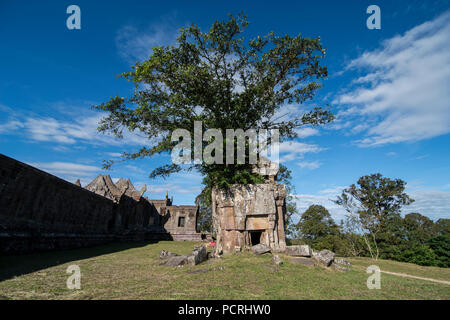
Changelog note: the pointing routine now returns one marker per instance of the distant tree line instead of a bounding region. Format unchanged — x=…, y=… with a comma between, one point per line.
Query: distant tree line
x=374, y=226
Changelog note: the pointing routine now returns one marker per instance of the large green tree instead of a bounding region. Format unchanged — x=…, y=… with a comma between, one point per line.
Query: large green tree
x=376, y=201
x=317, y=228
x=418, y=228
x=226, y=82
x=284, y=176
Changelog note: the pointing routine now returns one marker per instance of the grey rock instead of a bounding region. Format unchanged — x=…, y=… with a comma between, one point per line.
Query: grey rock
x=276, y=260
x=260, y=249
x=198, y=255
x=303, y=261
x=176, y=261
x=339, y=267
x=324, y=257
x=166, y=254
x=342, y=261
x=299, y=251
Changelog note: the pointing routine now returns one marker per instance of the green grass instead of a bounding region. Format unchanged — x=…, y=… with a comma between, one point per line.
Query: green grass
x=403, y=267
x=132, y=271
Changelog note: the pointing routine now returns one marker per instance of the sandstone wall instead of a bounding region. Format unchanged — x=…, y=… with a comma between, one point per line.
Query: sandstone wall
x=39, y=211
x=246, y=211
x=187, y=231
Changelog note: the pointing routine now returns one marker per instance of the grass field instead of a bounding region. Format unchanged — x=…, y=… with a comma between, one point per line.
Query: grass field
x=132, y=271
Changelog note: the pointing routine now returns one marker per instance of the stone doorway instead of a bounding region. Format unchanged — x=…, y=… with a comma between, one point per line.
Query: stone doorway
x=255, y=237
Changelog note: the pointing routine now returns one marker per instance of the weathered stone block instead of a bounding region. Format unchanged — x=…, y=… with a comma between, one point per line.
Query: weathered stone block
x=299, y=251
x=303, y=261
x=339, y=267
x=276, y=260
x=324, y=257
x=260, y=249
x=166, y=254
x=176, y=261
x=198, y=255
x=342, y=261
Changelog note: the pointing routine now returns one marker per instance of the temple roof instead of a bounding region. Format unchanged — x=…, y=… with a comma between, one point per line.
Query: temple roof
x=104, y=186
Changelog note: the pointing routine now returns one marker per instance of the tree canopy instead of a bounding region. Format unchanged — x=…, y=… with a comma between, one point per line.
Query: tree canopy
x=376, y=202
x=224, y=81
x=317, y=228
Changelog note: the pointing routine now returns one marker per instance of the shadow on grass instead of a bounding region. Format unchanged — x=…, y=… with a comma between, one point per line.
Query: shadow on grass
x=17, y=265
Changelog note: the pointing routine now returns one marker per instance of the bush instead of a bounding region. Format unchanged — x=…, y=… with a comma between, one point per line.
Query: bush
x=441, y=248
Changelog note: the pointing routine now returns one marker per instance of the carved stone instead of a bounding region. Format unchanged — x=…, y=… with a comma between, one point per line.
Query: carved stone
x=246, y=215
x=299, y=251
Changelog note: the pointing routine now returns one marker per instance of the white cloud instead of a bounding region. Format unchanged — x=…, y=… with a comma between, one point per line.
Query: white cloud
x=136, y=44
x=391, y=154
x=134, y=168
x=431, y=203
x=66, y=168
x=306, y=132
x=305, y=200
x=79, y=129
x=291, y=150
x=311, y=165
x=406, y=86
x=10, y=126
x=114, y=154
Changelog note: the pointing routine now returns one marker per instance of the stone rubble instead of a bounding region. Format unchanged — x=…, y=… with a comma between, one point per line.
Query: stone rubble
x=324, y=257
x=299, y=251
x=339, y=267
x=166, y=254
x=260, y=249
x=276, y=260
x=342, y=261
x=303, y=261
x=198, y=255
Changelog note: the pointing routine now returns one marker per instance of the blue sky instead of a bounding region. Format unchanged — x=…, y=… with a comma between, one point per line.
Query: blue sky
x=389, y=89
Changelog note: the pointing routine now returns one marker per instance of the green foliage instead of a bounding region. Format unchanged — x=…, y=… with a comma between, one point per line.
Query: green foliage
x=284, y=177
x=317, y=228
x=442, y=227
x=418, y=254
x=204, y=218
x=224, y=81
x=418, y=228
x=441, y=247
x=375, y=228
x=376, y=202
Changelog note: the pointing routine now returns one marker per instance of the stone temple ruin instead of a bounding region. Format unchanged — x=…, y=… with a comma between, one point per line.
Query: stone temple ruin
x=247, y=215
x=180, y=222
x=39, y=211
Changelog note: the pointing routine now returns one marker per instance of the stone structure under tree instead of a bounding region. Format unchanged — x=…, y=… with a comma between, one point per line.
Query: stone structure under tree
x=247, y=215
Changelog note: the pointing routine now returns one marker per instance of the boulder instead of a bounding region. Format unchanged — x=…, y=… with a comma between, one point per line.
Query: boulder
x=339, y=267
x=342, y=261
x=166, y=254
x=303, y=261
x=198, y=255
x=324, y=257
x=299, y=251
x=276, y=260
x=260, y=249
x=176, y=261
